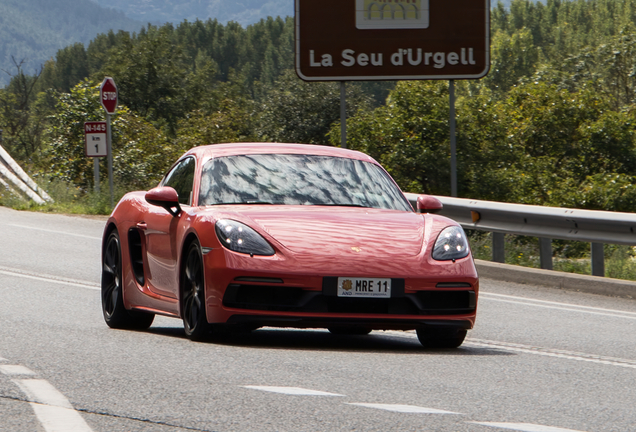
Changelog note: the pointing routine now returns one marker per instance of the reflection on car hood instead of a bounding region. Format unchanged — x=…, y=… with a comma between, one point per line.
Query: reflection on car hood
x=339, y=230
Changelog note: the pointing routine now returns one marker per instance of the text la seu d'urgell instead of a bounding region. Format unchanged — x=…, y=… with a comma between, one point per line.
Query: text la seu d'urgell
x=401, y=57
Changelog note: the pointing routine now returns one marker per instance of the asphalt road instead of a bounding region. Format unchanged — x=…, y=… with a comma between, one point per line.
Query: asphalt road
x=539, y=360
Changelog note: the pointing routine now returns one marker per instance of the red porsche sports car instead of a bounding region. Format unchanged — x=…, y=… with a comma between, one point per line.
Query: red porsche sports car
x=241, y=236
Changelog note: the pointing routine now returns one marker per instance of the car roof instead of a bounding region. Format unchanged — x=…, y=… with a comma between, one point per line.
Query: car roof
x=234, y=149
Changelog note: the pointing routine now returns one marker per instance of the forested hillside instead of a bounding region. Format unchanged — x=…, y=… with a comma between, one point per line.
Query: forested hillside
x=554, y=123
x=33, y=30
x=244, y=12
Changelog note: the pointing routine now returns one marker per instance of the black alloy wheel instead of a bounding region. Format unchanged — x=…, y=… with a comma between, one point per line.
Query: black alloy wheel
x=195, y=322
x=115, y=314
x=441, y=338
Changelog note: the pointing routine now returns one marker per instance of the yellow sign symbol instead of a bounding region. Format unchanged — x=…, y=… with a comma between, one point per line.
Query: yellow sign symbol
x=347, y=285
x=392, y=14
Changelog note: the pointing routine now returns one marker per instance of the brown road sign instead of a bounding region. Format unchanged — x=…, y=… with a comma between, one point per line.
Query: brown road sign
x=349, y=40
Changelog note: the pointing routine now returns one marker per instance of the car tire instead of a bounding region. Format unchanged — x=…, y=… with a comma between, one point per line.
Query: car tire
x=441, y=338
x=195, y=322
x=115, y=313
x=350, y=331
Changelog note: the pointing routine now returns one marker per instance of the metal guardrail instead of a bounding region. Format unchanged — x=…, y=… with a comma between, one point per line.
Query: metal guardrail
x=12, y=174
x=547, y=223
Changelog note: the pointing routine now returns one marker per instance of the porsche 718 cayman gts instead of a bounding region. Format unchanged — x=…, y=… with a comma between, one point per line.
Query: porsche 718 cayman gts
x=242, y=236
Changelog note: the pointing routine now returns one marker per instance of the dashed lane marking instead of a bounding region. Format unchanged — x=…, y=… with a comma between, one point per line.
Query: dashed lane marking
x=555, y=303
x=53, y=410
x=55, y=232
x=15, y=370
x=557, y=306
x=525, y=427
x=295, y=391
x=49, y=278
x=528, y=349
x=405, y=409
x=570, y=355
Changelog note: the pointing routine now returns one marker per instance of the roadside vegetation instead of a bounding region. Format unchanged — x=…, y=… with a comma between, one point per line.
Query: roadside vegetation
x=554, y=123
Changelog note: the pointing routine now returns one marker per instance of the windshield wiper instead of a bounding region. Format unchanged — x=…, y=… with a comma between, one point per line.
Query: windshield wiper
x=247, y=203
x=344, y=205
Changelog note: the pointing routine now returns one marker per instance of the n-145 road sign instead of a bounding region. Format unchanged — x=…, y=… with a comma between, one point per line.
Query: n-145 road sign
x=96, y=144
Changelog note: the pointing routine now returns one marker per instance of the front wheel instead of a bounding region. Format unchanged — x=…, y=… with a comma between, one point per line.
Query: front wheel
x=115, y=314
x=195, y=322
x=441, y=338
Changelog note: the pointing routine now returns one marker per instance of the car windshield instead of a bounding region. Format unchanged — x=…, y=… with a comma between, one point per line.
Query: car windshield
x=298, y=180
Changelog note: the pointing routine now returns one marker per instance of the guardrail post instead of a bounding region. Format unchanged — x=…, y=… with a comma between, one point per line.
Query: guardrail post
x=598, y=260
x=545, y=252
x=498, y=247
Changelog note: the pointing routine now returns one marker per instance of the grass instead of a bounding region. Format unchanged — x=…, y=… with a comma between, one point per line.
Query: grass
x=67, y=200
x=569, y=256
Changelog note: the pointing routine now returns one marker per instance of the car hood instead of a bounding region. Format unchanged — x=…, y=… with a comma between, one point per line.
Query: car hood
x=336, y=231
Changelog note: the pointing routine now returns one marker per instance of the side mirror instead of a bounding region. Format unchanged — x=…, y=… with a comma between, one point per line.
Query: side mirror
x=165, y=197
x=428, y=204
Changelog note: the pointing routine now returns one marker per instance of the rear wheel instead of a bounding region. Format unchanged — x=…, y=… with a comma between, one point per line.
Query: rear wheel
x=115, y=314
x=195, y=322
x=441, y=338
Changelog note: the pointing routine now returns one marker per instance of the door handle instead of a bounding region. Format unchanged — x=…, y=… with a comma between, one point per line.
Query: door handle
x=142, y=226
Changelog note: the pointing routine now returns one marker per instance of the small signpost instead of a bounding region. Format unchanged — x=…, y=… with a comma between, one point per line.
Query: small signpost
x=358, y=40
x=95, y=145
x=108, y=97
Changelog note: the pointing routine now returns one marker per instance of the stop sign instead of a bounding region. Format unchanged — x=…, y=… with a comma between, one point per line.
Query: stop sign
x=108, y=95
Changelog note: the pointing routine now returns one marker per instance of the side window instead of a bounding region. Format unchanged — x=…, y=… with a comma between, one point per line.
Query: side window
x=181, y=178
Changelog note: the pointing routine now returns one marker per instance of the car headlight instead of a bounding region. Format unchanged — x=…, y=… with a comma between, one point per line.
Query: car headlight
x=451, y=244
x=240, y=238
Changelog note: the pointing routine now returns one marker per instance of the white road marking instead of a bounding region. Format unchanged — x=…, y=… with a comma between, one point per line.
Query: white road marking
x=406, y=409
x=558, y=306
x=42, y=392
x=55, y=232
x=53, y=410
x=15, y=370
x=50, y=279
x=295, y=391
x=525, y=427
x=528, y=349
x=555, y=303
x=570, y=355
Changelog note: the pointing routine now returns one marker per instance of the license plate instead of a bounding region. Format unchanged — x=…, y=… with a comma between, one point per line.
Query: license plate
x=364, y=287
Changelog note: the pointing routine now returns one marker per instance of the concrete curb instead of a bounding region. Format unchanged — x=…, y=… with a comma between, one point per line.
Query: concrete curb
x=554, y=279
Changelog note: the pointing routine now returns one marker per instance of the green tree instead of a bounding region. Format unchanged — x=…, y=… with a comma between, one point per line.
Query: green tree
x=514, y=56
x=300, y=112
x=22, y=124
x=409, y=136
x=141, y=154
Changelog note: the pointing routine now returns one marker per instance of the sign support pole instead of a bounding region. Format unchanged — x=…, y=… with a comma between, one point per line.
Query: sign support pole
x=108, y=98
x=343, y=114
x=453, y=138
x=110, y=160
x=96, y=174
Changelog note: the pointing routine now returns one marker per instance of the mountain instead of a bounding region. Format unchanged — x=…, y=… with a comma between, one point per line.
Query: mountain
x=244, y=12
x=33, y=30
